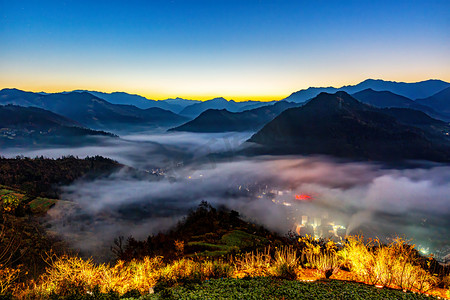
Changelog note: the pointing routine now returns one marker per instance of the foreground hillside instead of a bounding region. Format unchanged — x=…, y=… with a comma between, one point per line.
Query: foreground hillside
x=249, y=262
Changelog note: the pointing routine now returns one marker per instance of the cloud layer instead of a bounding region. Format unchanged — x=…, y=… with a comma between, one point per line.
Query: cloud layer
x=364, y=197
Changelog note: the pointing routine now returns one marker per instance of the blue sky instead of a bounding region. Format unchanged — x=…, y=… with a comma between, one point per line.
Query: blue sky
x=237, y=49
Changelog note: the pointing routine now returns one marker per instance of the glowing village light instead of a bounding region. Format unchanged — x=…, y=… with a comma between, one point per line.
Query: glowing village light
x=303, y=197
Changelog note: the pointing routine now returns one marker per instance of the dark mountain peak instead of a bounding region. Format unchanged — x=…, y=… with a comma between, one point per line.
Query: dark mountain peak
x=219, y=100
x=368, y=90
x=440, y=101
x=222, y=120
x=371, y=80
x=15, y=92
x=339, y=125
x=371, y=92
x=11, y=90
x=84, y=94
x=444, y=93
x=326, y=102
x=215, y=110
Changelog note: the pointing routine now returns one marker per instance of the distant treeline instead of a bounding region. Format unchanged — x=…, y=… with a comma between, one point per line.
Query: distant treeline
x=42, y=176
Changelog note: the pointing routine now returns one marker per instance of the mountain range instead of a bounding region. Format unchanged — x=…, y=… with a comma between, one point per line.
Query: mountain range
x=339, y=125
x=188, y=108
x=193, y=108
x=196, y=109
x=221, y=120
x=413, y=90
x=92, y=111
x=174, y=105
x=384, y=99
x=24, y=126
x=125, y=112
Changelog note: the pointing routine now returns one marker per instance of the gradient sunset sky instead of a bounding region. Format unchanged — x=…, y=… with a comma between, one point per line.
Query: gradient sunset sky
x=244, y=49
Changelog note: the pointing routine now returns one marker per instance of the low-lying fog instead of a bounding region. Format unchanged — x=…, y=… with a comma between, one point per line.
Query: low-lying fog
x=364, y=198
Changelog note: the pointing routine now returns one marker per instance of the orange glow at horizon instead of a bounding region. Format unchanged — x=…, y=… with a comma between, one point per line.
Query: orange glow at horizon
x=163, y=91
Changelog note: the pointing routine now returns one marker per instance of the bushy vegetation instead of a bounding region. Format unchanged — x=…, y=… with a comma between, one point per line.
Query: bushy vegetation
x=41, y=176
x=395, y=265
x=186, y=276
x=205, y=232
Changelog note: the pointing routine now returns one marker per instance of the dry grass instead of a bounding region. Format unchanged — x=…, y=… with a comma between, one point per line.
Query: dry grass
x=68, y=274
x=253, y=264
x=8, y=278
x=286, y=263
x=394, y=265
x=322, y=258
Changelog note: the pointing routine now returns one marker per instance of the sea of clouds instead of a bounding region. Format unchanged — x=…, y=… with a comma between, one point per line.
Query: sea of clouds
x=369, y=198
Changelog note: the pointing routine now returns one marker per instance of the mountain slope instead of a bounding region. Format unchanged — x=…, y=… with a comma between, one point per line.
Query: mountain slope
x=22, y=126
x=439, y=101
x=214, y=120
x=195, y=110
x=382, y=98
x=92, y=111
x=413, y=90
x=339, y=125
x=388, y=99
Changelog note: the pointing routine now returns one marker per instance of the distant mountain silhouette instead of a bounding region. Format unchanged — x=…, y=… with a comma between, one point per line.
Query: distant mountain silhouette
x=413, y=91
x=195, y=110
x=339, y=125
x=178, y=104
x=24, y=126
x=439, y=101
x=173, y=105
x=382, y=98
x=388, y=99
x=221, y=120
x=92, y=111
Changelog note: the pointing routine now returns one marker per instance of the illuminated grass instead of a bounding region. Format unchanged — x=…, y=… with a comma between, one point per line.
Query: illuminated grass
x=394, y=266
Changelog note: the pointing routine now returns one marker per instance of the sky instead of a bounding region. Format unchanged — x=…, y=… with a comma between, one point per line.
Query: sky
x=243, y=49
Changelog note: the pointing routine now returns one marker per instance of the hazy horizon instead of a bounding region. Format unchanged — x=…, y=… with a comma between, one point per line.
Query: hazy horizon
x=219, y=96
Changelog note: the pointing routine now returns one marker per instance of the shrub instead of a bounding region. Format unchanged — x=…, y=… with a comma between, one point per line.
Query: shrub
x=10, y=202
x=69, y=275
x=285, y=263
x=253, y=264
x=321, y=257
x=8, y=277
x=395, y=265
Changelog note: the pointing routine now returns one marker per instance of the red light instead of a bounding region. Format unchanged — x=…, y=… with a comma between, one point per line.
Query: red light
x=303, y=197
